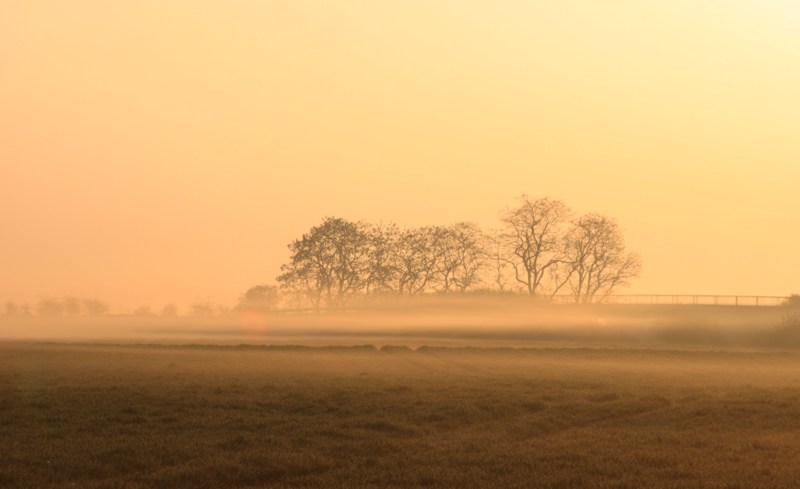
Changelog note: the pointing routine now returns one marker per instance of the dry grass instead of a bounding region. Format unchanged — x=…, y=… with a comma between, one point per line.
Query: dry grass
x=91, y=416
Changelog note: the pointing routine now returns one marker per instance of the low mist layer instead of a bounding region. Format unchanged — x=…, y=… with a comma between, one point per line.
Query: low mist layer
x=486, y=321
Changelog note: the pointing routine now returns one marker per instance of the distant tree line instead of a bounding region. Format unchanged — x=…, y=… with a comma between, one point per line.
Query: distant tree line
x=540, y=248
x=66, y=306
x=73, y=306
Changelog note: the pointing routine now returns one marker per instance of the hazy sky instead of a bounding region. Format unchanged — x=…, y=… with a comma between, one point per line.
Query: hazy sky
x=156, y=151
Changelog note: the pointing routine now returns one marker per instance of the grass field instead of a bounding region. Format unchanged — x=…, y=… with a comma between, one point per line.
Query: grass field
x=128, y=416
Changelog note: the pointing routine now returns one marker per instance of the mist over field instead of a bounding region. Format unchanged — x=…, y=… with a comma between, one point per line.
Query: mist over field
x=184, y=412
x=434, y=391
x=451, y=321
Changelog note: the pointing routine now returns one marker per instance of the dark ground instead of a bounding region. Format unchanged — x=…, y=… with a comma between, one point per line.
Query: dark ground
x=95, y=416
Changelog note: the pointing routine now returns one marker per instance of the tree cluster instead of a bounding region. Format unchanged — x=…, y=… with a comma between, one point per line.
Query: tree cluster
x=539, y=249
x=339, y=259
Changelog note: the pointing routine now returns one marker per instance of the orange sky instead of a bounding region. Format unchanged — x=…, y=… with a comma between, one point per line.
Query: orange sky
x=157, y=151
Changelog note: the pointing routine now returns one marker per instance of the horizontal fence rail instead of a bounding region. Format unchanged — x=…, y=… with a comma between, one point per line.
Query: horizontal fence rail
x=682, y=299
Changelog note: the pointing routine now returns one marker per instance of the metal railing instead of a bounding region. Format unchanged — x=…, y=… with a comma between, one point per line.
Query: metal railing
x=682, y=299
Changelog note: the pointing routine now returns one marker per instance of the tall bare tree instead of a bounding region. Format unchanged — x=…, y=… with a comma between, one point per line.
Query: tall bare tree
x=499, y=273
x=468, y=248
x=530, y=239
x=598, y=261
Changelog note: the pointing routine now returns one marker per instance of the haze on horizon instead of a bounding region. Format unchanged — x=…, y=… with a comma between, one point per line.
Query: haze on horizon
x=156, y=152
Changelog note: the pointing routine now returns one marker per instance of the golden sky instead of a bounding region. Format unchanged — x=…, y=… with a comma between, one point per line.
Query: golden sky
x=156, y=151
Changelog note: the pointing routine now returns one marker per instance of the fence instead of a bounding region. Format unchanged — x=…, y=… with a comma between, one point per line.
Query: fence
x=683, y=299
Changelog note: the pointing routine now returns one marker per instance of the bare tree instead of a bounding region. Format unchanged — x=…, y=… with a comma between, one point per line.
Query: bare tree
x=598, y=261
x=467, y=246
x=459, y=256
x=530, y=239
x=499, y=264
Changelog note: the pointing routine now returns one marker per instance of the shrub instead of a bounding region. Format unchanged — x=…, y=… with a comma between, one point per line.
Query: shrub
x=788, y=331
x=49, y=307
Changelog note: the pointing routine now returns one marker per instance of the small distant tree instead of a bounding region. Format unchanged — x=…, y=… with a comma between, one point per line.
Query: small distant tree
x=143, y=311
x=169, y=310
x=94, y=307
x=793, y=300
x=49, y=307
x=788, y=331
x=72, y=306
x=11, y=309
x=202, y=308
x=259, y=298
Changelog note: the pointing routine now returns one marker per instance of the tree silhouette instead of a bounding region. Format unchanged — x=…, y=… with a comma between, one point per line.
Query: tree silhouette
x=598, y=261
x=329, y=264
x=169, y=310
x=72, y=305
x=202, y=308
x=143, y=311
x=49, y=307
x=94, y=307
x=415, y=261
x=460, y=256
x=340, y=259
x=530, y=239
x=259, y=298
